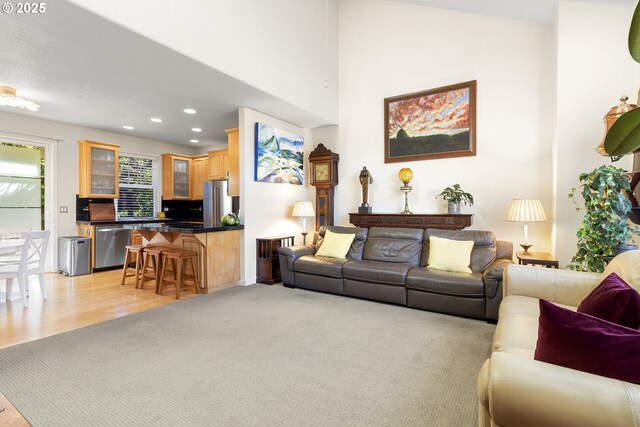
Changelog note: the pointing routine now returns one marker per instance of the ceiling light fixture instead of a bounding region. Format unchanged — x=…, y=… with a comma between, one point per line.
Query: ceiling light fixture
x=9, y=98
x=156, y=120
x=195, y=141
x=127, y=127
x=189, y=111
x=196, y=129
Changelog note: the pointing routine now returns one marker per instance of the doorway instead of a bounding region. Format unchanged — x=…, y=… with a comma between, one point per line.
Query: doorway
x=27, y=187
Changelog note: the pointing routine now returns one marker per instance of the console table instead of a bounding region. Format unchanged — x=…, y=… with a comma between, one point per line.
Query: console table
x=441, y=221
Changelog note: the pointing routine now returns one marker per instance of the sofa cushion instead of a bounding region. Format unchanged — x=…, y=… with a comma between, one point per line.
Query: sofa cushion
x=386, y=273
x=446, y=282
x=320, y=266
x=450, y=255
x=484, y=246
x=403, y=245
x=517, y=330
x=615, y=301
x=335, y=245
x=357, y=246
x=587, y=343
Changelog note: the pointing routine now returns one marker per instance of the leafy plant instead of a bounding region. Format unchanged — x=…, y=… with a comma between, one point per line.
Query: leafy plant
x=624, y=135
x=605, y=222
x=456, y=195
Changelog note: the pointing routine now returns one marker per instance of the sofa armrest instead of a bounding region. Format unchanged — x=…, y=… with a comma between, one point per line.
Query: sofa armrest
x=519, y=392
x=562, y=286
x=493, y=275
x=492, y=279
x=287, y=255
x=295, y=252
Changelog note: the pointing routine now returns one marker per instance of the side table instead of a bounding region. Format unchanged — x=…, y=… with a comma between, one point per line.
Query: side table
x=542, y=259
x=267, y=262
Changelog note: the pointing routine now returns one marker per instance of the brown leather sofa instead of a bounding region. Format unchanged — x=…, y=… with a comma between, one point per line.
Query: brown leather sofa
x=389, y=265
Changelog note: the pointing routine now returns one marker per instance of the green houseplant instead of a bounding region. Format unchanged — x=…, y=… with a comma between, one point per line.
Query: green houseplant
x=454, y=196
x=624, y=135
x=605, y=222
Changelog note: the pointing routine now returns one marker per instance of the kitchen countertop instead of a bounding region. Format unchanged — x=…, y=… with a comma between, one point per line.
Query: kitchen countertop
x=125, y=221
x=178, y=227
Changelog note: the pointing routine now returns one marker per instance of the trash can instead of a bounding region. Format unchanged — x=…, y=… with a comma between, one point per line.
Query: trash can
x=74, y=255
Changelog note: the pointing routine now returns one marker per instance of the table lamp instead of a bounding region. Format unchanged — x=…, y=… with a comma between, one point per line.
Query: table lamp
x=526, y=210
x=406, y=175
x=303, y=210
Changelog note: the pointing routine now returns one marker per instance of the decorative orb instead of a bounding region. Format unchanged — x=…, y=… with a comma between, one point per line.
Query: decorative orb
x=405, y=175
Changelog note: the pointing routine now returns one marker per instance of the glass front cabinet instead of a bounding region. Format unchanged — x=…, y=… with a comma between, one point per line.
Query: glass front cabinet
x=177, y=175
x=98, y=168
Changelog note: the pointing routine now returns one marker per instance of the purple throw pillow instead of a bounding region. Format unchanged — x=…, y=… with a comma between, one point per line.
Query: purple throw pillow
x=586, y=343
x=613, y=300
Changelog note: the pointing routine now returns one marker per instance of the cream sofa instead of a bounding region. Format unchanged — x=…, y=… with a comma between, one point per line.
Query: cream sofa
x=514, y=390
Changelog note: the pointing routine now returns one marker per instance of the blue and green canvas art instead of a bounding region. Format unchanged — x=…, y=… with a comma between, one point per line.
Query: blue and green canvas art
x=279, y=156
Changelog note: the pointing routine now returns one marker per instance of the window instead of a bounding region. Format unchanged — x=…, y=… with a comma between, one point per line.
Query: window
x=21, y=186
x=137, y=193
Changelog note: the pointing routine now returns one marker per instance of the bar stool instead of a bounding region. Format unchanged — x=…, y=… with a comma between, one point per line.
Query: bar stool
x=178, y=257
x=152, y=265
x=138, y=250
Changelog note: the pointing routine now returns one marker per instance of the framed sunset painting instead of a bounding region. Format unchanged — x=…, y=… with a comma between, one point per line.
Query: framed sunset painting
x=432, y=124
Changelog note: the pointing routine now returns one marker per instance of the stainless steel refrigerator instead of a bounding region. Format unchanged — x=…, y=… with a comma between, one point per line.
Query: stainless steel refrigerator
x=215, y=202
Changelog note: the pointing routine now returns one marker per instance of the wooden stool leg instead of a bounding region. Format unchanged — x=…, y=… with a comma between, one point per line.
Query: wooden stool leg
x=195, y=274
x=157, y=265
x=144, y=270
x=161, y=284
x=178, y=265
x=124, y=267
x=137, y=272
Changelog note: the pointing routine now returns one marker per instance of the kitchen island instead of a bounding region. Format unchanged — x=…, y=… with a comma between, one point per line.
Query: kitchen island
x=218, y=248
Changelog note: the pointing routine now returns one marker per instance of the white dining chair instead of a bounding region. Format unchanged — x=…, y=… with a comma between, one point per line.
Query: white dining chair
x=32, y=259
x=8, y=233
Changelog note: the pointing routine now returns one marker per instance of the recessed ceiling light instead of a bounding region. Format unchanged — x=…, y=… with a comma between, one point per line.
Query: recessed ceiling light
x=195, y=141
x=196, y=129
x=189, y=111
x=156, y=120
x=127, y=127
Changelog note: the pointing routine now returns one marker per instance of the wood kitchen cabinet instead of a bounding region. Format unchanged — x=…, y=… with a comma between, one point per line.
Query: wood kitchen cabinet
x=200, y=175
x=218, y=164
x=234, y=161
x=177, y=177
x=98, y=167
x=87, y=230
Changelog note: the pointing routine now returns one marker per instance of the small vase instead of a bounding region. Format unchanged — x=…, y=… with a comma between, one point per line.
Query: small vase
x=454, y=208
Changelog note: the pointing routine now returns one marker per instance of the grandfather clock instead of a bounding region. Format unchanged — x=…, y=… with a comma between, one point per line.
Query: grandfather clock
x=324, y=176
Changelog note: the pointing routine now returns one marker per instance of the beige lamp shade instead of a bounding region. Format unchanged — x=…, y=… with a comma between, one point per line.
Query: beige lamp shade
x=526, y=210
x=303, y=209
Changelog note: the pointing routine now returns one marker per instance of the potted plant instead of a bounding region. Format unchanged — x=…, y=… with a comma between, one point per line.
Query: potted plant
x=605, y=228
x=454, y=196
x=624, y=135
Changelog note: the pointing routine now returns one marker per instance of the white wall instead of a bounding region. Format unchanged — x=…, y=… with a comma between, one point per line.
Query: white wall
x=265, y=208
x=284, y=47
x=389, y=48
x=67, y=156
x=594, y=69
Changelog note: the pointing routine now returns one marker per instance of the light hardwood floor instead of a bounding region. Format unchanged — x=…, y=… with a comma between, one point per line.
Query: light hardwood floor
x=75, y=302
x=72, y=303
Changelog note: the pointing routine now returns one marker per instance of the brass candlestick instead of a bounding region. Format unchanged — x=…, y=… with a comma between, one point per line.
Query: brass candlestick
x=405, y=176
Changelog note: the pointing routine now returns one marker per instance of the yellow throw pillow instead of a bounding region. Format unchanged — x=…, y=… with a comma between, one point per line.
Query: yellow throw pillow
x=450, y=255
x=335, y=245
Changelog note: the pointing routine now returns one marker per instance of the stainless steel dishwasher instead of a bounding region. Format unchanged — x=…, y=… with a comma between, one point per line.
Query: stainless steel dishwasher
x=110, y=245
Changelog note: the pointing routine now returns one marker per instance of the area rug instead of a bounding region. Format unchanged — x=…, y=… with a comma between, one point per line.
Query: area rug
x=254, y=356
